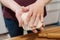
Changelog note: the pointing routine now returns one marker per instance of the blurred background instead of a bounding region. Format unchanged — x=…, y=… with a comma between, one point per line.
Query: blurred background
x=52, y=18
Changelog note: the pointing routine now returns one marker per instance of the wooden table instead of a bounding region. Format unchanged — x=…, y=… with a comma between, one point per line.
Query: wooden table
x=35, y=36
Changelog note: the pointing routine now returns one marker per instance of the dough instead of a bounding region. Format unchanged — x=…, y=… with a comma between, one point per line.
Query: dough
x=24, y=16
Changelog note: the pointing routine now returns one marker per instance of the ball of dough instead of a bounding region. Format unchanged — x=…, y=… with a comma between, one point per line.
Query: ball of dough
x=24, y=16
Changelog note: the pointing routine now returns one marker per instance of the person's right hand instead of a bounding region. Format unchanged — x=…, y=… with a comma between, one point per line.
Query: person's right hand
x=19, y=13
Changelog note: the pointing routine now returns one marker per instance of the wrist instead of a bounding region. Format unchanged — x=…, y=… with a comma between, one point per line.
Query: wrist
x=43, y=2
x=46, y=1
x=40, y=2
x=16, y=8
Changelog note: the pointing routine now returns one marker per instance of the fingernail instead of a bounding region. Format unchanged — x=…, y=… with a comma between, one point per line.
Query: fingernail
x=35, y=31
x=42, y=29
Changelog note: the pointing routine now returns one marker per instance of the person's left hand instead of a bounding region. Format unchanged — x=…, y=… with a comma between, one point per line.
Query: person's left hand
x=36, y=12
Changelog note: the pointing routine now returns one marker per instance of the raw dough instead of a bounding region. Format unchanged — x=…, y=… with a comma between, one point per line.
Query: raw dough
x=24, y=16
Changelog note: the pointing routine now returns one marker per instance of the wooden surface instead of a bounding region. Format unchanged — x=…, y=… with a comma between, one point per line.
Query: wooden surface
x=36, y=37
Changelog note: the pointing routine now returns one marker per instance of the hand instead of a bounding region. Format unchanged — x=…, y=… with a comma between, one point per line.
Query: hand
x=19, y=13
x=36, y=12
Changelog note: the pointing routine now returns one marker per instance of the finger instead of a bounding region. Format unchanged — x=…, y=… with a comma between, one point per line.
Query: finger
x=42, y=14
x=20, y=23
x=38, y=17
x=35, y=31
x=18, y=16
x=42, y=19
x=41, y=28
x=29, y=16
x=43, y=24
x=37, y=20
x=33, y=18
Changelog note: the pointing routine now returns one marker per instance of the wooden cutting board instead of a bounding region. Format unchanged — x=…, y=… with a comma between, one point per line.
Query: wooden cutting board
x=35, y=36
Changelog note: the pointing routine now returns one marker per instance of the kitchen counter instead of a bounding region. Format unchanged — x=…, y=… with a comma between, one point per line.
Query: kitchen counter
x=36, y=37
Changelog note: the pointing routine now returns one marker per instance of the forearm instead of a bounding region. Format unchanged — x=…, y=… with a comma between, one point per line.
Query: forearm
x=11, y=4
